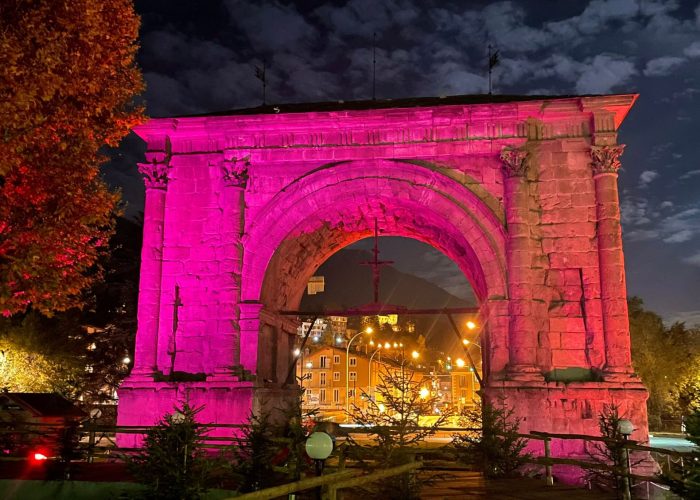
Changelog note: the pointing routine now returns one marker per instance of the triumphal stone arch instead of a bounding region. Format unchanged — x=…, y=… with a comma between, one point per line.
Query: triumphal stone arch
x=520, y=192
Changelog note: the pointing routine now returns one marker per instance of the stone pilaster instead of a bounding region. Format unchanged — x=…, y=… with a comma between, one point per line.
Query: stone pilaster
x=605, y=163
x=249, y=325
x=234, y=173
x=522, y=336
x=156, y=179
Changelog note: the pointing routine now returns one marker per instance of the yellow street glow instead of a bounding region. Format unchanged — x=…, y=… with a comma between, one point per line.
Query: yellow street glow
x=415, y=354
x=424, y=392
x=471, y=325
x=460, y=363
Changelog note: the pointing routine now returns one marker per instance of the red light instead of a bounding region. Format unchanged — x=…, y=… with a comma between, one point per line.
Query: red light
x=40, y=456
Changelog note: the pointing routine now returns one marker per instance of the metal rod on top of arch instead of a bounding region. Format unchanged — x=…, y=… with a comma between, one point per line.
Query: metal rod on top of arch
x=375, y=263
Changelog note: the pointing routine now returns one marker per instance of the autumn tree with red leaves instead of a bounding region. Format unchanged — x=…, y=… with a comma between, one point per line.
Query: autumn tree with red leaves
x=68, y=80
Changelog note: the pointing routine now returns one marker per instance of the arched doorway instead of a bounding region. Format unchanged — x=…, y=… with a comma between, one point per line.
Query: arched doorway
x=336, y=206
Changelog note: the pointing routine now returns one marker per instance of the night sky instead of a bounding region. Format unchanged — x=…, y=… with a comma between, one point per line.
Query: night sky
x=200, y=57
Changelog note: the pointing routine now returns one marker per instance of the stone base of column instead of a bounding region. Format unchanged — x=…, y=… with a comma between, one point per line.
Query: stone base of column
x=144, y=402
x=571, y=408
x=622, y=376
x=524, y=373
x=225, y=400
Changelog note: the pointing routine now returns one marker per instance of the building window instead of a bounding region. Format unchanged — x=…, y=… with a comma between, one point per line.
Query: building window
x=336, y=395
x=353, y=361
x=462, y=380
x=353, y=376
x=336, y=359
x=322, y=396
x=324, y=362
x=336, y=376
x=351, y=393
x=323, y=378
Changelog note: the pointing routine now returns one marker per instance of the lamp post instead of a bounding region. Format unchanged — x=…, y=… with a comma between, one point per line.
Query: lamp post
x=319, y=446
x=626, y=428
x=369, y=369
x=368, y=331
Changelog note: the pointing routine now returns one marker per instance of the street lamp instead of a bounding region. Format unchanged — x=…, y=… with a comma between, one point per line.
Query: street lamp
x=626, y=428
x=369, y=369
x=460, y=363
x=368, y=331
x=415, y=355
x=471, y=325
x=319, y=446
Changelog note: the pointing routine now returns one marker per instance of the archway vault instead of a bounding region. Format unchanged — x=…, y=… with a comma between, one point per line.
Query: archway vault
x=337, y=205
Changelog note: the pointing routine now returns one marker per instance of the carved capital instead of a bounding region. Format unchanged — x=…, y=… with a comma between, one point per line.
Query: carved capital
x=606, y=159
x=235, y=172
x=515, y=161
x=155, y=174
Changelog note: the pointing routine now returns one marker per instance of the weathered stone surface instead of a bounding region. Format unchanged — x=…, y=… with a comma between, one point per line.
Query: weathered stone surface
x=522, y=196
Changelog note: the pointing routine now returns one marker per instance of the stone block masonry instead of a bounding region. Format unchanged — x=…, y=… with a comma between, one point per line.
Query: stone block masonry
x=521, y=193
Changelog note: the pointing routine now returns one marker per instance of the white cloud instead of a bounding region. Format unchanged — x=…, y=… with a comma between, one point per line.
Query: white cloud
x=647, y=176
x=663, y=66
x=689, y=174
x=603, y=73
x=693, y=260
x=666, y=204
x=679, y=237
x=692, y=50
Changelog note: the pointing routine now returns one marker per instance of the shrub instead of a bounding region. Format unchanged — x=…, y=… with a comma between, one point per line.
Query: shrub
x=173, y=463
x=498, y=452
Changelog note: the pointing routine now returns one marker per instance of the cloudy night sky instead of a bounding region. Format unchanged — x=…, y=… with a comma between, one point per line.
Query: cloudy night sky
x=200, y=57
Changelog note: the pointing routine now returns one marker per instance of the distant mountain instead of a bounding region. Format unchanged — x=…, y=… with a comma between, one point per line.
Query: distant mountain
x=349, y=284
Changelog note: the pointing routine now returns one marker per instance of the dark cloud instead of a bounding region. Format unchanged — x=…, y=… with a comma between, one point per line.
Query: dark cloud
x=200, y=57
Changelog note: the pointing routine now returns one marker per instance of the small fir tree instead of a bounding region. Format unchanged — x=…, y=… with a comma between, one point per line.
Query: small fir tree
x=688, y=484
x=392, y=416
x=610, y=452
x=297, y=432
x=173, y=463
x=252, y=454
x=498, y=452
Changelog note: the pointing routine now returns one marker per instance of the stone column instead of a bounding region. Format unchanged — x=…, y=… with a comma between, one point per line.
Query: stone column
x=156, y=179
x=605, y=163
x=235, y=179
x=522, y=336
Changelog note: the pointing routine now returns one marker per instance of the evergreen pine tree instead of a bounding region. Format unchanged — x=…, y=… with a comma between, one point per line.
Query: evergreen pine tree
x=173, y=463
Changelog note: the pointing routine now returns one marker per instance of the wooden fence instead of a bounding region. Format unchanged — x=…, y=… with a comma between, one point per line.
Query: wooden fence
x=98, y=442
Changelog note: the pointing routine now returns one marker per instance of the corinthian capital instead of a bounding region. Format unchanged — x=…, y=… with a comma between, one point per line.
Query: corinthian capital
x=606, y=159
x=155, y=174
x=235, y=172
x=515, y=161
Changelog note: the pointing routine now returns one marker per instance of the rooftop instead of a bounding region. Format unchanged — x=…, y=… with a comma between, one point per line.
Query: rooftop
x=410, y=102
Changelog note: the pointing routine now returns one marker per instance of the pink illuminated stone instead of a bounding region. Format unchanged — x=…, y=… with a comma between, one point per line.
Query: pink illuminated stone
x=521, y=195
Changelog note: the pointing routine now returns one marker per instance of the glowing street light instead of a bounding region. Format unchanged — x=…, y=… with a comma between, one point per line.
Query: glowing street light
x=368, y=331
x=415, y=355
x=126, y=360
x=424, y=392
x=297, y=351
x=471, y=325
x=460, y=363
x=387, y=345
